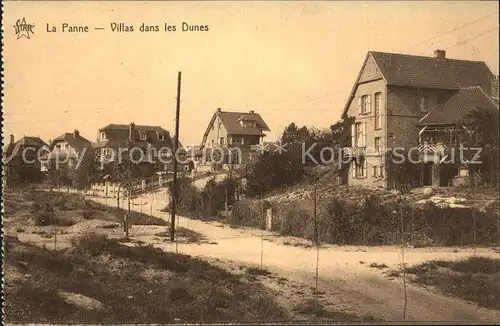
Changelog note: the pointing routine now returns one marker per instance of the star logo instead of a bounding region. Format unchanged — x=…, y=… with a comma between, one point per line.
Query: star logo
x=280, y=147
x=23, y=29
x=262, y=148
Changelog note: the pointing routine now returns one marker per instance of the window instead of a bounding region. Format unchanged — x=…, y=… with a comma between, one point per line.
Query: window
x=103, y=135
x=364, y=104
x=381, y=171
x=378, y=145
x=359, y=135
x=378, y=171
x=142, y=135
x=378, y=105
x=375, y=171
x=221, y=141
x=161, y=136
x=360, y=169
x=422, y=103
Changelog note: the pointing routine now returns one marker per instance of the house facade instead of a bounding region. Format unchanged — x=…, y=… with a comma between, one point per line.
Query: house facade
x=236, y=134
x=392, y=93
x=150, y=146
x=22, y=160
x=67, y=149
x=445, y=129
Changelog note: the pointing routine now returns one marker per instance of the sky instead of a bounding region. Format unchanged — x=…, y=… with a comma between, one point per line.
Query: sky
x=288, y=61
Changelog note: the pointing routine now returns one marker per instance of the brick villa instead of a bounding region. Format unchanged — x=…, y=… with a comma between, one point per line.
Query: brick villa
x=399, y=100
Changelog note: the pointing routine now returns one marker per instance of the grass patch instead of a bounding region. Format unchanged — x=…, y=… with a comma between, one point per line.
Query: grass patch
x=258, y=271
x=195, y=291
x=92, y=243
x=476, y=279
x=316, y=309
x=50, y=218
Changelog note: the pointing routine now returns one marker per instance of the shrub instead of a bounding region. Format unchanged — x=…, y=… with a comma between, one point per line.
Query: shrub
x=247, y=213
x=92, y=243
x=48, y=218
x=373, y=222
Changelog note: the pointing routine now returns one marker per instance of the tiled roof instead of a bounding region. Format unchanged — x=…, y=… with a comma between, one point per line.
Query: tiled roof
x=458, y=106
x=426, y=72
x=14, y=149
x=420, y=71
x=230, y=121
x=77, y=143
x=117, y=134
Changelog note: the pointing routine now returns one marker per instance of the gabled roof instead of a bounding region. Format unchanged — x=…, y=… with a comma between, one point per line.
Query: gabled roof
x=231, y=121
x=137, y=128
x=76, y=142
x=427, y=72
x=13, y=149
x=117, y=134
x=458, y=106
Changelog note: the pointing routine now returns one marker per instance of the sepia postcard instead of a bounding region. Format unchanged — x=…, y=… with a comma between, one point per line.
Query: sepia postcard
x=250, y=162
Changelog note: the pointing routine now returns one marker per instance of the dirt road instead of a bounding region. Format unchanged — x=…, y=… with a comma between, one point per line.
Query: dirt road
x=344, y=273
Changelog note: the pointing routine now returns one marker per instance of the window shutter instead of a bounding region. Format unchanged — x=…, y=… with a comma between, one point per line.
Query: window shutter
x=381, y=172
x=369, y=104
x=364, y=134
x=360, y=105
x=365, y=168
x=374, y=171
x=353, y=166
x=353, y=135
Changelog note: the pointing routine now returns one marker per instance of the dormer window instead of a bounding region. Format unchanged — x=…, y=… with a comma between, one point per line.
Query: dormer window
x=422, y=103
x=103, y=135
x=142, y=135
x=161, y=136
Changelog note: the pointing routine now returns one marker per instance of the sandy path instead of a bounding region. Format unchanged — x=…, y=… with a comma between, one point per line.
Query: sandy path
x=349, y=284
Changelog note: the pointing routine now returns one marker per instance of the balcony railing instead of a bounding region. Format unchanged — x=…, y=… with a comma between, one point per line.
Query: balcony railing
x=354, y=151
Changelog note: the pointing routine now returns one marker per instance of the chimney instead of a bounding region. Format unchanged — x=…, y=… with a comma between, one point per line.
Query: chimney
x=12, y=139
x=252, y=111
x=76, y=133
x=219, y=110
x=131, y=131
x=440, y=54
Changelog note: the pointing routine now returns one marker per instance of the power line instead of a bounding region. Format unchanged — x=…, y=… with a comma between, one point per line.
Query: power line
x=472, y=38
x=455, y=29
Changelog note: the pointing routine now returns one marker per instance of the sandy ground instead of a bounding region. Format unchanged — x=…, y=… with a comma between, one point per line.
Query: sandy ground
x=346, y=281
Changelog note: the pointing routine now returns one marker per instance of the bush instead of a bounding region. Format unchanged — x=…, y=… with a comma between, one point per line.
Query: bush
x=49, y=218
x=247, y=213
x=92, y=243
x=373, y=223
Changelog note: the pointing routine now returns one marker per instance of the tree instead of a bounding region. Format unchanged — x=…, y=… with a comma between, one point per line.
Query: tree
x=272, y=170
x=293, y=134
x=482, y=131
x=88, y=170
x=57, y=172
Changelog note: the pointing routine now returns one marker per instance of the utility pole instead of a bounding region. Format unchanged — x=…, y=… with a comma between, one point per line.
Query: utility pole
x=176, y=145
x=129, y=188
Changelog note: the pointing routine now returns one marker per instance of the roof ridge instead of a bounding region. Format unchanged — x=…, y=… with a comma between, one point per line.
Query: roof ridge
x=424, y=56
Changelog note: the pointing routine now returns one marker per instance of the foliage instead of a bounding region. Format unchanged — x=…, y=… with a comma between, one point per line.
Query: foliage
x=483, y=132
x=57, y=172
x=272, y=170
x=373, y=222
x=88, y=171
x=402, y=173
x=305, y=147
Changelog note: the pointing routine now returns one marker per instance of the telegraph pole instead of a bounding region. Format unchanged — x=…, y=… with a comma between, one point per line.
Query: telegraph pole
x=176, y=145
